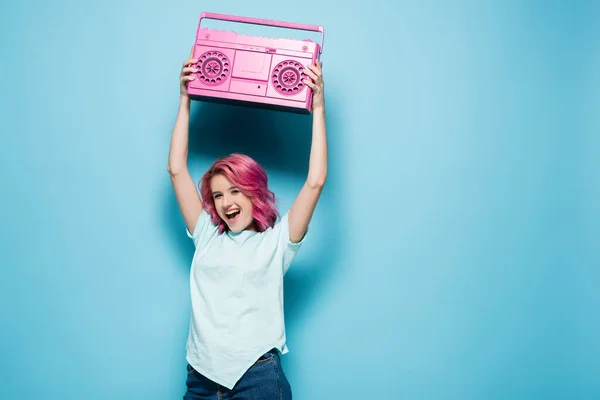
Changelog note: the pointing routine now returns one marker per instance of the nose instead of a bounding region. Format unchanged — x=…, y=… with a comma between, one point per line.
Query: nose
x=227, y=201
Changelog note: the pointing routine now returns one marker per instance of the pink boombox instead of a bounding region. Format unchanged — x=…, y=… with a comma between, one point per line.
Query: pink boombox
x=253, y=71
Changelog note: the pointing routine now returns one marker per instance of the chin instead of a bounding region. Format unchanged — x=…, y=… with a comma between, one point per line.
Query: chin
x=237, y=227
x=239, y=224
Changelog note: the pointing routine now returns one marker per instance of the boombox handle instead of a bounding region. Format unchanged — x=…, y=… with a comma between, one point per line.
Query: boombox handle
x=266, y=22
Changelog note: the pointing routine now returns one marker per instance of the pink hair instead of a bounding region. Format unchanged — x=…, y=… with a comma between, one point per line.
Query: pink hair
x=250, y=177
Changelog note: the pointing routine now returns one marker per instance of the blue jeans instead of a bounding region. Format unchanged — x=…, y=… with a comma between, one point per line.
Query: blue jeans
x=264, y=380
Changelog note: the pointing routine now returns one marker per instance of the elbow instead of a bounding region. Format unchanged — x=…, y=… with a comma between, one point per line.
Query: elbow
x=316, y=183
x=176, y=164
x=171, y=170
x=174, y=170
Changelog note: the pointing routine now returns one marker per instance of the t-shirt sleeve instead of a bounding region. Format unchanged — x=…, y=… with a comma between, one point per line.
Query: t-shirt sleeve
x=289, y=249
x=203, y=231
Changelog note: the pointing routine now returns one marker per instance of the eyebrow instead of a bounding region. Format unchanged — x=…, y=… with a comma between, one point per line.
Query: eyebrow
x=231, y=188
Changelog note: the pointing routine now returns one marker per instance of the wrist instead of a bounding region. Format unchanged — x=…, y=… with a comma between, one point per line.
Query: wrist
x=320, y=109
x=184, y=100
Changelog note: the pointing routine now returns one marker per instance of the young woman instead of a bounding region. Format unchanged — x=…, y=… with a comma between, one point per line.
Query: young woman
x=243, y=250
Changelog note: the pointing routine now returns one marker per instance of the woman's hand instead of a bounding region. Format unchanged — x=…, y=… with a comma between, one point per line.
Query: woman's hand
x=317, y=84
x=185, y=76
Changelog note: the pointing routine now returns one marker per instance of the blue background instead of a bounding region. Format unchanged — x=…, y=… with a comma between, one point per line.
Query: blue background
x=454, y=253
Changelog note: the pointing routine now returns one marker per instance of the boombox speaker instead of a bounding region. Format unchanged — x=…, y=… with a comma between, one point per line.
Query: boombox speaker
x=253, y=71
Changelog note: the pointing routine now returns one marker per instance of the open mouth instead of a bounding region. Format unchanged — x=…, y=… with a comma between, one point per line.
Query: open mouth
x=232, y=215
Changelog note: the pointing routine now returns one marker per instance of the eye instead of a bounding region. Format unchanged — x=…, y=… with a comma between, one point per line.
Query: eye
x=235, y=191
x=216, y=196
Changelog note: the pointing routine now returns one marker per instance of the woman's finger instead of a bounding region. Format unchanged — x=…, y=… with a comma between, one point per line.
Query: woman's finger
x=188, y=70
x=310, y=84
x=311, y=74
x=189, y=61
x=187, y=78
x=315, y=69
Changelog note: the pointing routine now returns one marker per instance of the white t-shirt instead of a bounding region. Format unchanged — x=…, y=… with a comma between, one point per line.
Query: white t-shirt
x=236, y=285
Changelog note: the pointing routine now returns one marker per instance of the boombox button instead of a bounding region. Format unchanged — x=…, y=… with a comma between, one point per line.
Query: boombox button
x=271, y=50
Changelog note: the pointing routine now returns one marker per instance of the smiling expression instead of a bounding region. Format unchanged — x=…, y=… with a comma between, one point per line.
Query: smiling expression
x=232, y=205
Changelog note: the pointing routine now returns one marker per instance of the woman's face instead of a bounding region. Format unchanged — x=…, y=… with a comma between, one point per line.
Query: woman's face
x=233, y=206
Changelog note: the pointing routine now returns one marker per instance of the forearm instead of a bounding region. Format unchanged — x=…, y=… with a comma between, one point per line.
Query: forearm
x=178, y=151
x=317, y=169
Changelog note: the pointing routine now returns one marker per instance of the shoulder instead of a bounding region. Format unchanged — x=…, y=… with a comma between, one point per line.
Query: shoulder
x=204, y=229
x=280, y=232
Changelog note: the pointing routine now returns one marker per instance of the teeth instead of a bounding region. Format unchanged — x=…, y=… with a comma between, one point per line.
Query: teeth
x=231, y=213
